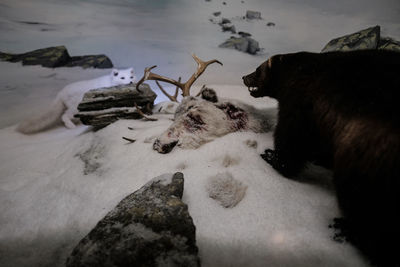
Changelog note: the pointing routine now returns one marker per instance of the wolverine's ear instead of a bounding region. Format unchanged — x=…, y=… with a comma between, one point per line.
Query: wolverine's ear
x=269, y=62
x=131, y=69
x=273, y=60
x=114, y=72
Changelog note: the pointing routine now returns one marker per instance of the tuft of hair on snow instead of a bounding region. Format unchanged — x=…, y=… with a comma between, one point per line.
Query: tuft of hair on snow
x=225, y=189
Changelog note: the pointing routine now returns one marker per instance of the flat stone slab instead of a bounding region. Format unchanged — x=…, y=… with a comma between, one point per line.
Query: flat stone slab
x=101, y=107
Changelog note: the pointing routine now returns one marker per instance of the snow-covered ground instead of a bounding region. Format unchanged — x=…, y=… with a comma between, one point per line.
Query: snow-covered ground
x=47, y=202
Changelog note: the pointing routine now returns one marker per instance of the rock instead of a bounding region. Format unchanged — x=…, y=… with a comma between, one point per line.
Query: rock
x=58, y=56
x=389, y=44
x=224, y=21
x=253, y=47
x=253, y=14
x=364, y=39
x=240, y=44
x=244, y=44
x=92, y=61
x=150, y=227
x=244, y=34
x=101, y=107
x=117, y=96
x=228, y=27
x=50, y=57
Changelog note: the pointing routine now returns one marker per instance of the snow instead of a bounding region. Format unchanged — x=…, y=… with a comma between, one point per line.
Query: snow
x=48, y=203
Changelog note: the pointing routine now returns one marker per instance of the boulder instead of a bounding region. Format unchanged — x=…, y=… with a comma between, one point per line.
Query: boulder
x=253, y=14
x=228, y=27
x=244, y=34
x=150, y=227
x=91, y=61
x=389, y=44
x=58, y=56
x=244, y=44
x=50, y=57
x=364, y=39
x=101, y=107
x=224, y=21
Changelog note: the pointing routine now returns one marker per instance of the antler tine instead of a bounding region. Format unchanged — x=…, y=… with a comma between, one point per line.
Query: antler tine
x=177, y=88
x=170, y=97
x=145, y=76
x=152, y=76
x=201, y=67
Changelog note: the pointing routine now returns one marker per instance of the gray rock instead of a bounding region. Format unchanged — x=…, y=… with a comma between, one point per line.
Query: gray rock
x=253, y=14
x=389, y=44
x=53, y=57
x=91, y=61
x=364, y=39
x=244, y=34
x=224, y=21
x=243, y=44
x=101, y=107
x=150, y=227
x=228, y=27
x=50, y=57
x=253, y=47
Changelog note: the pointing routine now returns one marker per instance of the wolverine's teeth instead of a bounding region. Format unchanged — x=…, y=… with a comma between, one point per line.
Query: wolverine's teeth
x=253, y=89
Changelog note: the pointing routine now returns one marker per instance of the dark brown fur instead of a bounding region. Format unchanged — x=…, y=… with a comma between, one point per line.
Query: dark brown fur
x=341, y=110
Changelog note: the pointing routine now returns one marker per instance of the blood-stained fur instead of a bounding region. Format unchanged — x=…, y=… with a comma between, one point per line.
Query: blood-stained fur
x=198, y=121
x=341, y=110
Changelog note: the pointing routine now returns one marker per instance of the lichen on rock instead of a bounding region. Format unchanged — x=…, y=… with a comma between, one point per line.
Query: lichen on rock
x=150, y=227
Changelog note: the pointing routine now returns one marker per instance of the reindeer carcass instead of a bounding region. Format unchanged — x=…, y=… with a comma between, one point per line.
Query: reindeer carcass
x=199, y=120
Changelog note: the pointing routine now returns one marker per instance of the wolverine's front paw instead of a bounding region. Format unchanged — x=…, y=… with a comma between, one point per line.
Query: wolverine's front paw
x=275, y=160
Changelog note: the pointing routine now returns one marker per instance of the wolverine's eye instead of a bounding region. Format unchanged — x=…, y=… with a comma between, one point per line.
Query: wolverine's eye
x=131, y=77
x=123, y=78
x=115, y=73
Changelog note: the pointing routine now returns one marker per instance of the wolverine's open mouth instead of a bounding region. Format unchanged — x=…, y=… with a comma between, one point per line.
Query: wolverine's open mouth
x=249, y=82
x=252, y=89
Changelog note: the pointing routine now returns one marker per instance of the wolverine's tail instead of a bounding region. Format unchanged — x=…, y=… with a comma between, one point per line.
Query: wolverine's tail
x=43, y=121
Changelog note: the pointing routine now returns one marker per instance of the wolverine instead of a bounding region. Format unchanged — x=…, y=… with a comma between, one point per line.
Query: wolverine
x=341, y=110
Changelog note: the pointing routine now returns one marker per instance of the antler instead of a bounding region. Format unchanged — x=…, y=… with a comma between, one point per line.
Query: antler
x=174, y=97
x=185, y=87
